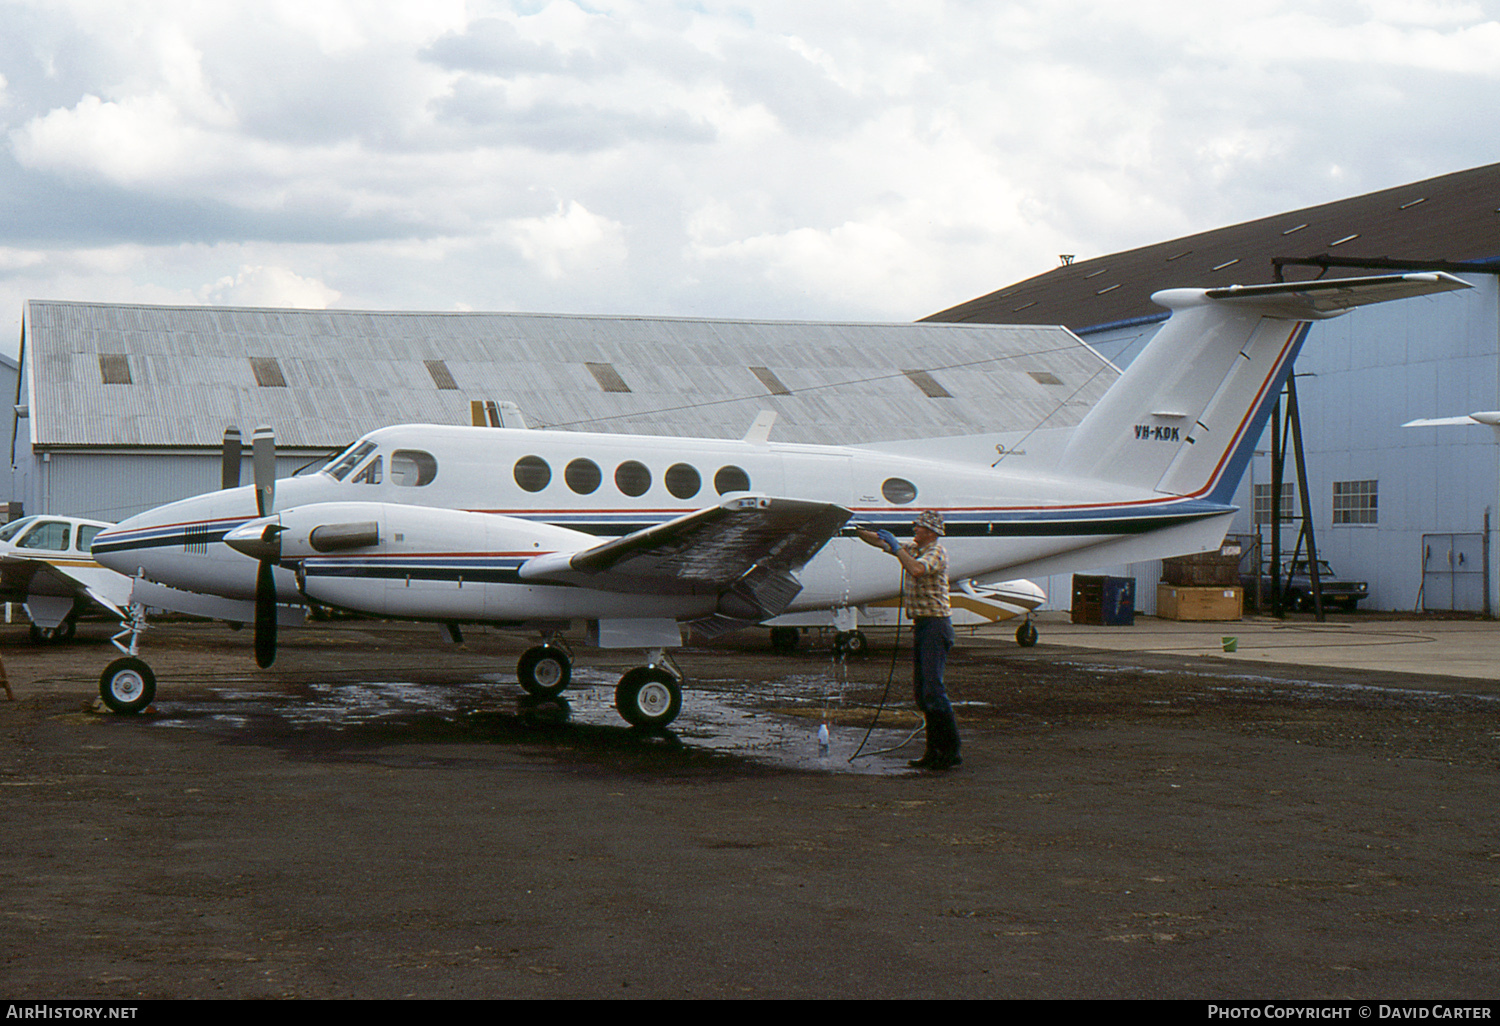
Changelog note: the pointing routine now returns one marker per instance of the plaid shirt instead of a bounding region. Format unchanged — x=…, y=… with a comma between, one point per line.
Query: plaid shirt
x=927, y=595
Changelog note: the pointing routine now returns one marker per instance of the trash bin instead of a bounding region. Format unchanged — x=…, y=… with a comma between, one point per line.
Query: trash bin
x=1104, y=601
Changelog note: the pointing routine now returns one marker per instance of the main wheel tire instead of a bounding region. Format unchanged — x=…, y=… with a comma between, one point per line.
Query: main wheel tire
x=785, y=639
x=648, y=697
x=51, y=635
x=851, y=644
x=545, y=671
x=127, y=685
x=1026, y=635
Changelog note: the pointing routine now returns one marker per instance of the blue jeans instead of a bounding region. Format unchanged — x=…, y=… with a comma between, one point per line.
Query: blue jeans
x=932, y=637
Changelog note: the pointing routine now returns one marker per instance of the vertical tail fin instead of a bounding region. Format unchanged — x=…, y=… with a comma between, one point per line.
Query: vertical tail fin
x=1185, y=415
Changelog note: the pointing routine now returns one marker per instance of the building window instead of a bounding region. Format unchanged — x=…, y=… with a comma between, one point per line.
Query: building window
x=1355, y=502
x=1263, y=503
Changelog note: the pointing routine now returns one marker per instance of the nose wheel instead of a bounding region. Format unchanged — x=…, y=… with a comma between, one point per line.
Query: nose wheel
x=127, y=685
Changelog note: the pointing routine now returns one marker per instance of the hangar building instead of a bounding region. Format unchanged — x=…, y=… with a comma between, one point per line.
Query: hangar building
x=1412, y=511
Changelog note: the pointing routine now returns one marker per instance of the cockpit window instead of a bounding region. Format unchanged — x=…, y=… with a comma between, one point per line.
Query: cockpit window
x=51, y=535
x=370, y=474
x=15, y=527
x=342, y=464
x=412, y=468
x=86, y=534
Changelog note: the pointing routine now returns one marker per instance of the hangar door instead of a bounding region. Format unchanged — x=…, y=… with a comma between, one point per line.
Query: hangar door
x=1453, y=573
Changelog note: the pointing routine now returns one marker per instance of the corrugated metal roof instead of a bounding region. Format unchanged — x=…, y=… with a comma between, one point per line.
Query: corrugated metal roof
x=1452, y=219
x=348, y=372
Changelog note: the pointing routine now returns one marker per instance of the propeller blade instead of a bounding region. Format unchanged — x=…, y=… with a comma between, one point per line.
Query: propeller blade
x=263, y=458
x=231, y=462
x=265, y=615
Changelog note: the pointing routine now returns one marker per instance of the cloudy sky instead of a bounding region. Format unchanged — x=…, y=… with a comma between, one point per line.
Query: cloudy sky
x=837, y=159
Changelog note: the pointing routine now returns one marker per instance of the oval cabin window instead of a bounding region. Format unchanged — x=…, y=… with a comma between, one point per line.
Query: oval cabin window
x=532, y=473
x=682, y=481
x=731, y=479
x=583, y=476
x=632, y=478
x=898, y=490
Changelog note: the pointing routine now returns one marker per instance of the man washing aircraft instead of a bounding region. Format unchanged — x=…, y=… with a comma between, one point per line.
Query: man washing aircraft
x=925, y=596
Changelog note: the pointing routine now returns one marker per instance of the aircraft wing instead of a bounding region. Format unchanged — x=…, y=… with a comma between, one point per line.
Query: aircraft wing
x=1490, y=417
x=27, y=579
x=747, y=545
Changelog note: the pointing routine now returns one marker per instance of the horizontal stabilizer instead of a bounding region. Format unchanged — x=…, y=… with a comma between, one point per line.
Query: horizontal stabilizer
x=1319, y=300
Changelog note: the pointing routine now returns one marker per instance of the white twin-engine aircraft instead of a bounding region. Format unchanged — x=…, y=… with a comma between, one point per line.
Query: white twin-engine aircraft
x=638, y=534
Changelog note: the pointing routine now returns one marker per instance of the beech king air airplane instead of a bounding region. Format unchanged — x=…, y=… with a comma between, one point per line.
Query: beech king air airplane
x=638, y=534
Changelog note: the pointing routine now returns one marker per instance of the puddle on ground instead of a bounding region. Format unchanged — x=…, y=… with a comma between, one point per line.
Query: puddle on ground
x=776, y=722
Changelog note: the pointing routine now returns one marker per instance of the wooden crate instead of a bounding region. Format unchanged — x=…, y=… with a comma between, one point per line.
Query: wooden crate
x=1174, y=603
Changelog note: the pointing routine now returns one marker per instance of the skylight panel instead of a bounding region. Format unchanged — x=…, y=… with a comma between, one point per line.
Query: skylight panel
x=928, y=384
x=267, y=372
x=772, y=383
x=114, y=368
x=440, y=375
x=608, y=378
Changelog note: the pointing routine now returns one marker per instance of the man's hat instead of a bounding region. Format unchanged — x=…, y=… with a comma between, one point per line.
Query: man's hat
x=932, y=520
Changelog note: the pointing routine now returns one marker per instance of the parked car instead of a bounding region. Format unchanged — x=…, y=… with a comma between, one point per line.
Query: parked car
x=1337, y=591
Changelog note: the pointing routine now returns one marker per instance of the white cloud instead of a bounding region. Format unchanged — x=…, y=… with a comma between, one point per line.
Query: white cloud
x=270, y=286
x=761, y=158
x=570, y=241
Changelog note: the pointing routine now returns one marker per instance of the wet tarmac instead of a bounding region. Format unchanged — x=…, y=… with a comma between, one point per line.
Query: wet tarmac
x=775, y=723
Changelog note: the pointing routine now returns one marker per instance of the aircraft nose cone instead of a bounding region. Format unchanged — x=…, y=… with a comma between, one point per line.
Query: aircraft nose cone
x=258, y=539
x=109, y=550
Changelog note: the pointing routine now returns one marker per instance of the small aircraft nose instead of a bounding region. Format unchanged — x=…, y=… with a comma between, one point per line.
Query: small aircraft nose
x=258, y=539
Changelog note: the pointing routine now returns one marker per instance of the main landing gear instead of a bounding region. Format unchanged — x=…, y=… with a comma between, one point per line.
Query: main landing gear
x=648, y=697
